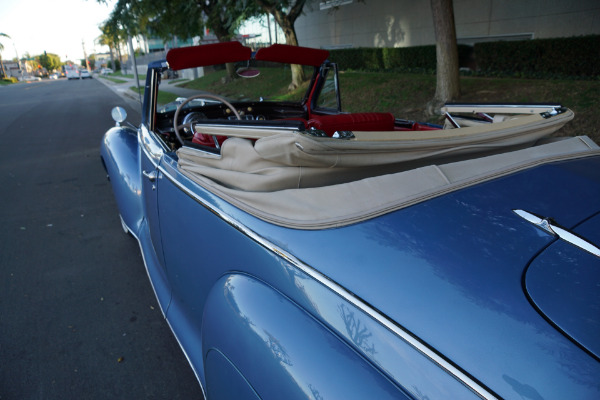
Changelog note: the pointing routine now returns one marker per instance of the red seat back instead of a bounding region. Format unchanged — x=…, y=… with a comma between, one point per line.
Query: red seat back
x=352, y=122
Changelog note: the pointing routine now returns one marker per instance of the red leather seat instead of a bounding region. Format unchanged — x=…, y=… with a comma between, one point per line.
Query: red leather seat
x=352, y=122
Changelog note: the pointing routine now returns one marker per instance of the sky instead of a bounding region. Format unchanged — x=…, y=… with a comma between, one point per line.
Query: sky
x=57, y=27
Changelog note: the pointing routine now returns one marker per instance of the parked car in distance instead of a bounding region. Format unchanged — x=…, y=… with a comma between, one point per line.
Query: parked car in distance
x=106, y=71
x=298, y=251
x=30, y=78
x=72, y=73
x=85, y=74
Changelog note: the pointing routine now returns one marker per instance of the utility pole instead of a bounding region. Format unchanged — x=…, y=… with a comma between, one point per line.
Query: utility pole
x=135, y=72
x=18, y=60
x=87, y=63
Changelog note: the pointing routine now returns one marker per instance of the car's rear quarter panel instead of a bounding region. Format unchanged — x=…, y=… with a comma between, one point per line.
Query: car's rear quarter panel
x=216, y=256
x=451, y=271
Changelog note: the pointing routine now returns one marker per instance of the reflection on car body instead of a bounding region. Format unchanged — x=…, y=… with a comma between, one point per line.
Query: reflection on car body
x=360, y=255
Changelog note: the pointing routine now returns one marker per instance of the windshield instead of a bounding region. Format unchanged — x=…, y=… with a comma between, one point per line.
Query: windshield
x=265, y=82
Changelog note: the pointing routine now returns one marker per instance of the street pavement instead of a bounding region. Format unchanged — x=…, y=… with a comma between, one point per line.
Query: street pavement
x=78, y=317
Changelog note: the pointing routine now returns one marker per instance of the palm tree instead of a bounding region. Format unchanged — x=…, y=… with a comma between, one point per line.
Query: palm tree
x=106, y=39
x=1, y=49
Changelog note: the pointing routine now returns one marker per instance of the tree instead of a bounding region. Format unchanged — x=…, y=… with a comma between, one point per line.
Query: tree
x=448, y=83
x=49, y=61
x=286, y=12
x=92, y=61
x=224, y=17
x=108, y=38
x=128, y=18
x=1, y=50
x=182, y=18
x=1, y=45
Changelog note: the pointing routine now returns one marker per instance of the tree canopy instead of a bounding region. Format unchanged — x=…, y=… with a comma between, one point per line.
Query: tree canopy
x=186, y=19
x=1, y=45
x=49, y=61
x=182, y=18
x=286, y=12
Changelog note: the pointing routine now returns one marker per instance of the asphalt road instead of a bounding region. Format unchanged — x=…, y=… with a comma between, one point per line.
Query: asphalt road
x=78, y=317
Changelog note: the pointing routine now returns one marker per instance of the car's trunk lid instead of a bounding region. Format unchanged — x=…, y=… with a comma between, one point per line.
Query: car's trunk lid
x=451, y=271
x=563, y=283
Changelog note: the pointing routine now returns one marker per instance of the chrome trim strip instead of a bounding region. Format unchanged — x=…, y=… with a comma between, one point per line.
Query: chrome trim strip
x=135, y=236
x=546, y=110
x=505, y=106
x=124, y=225
x=555, y=230
x=255, y=125
x=403, y=334
x=187, y=358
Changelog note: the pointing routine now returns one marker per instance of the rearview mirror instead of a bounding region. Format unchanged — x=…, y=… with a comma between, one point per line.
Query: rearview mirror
x=246, y=72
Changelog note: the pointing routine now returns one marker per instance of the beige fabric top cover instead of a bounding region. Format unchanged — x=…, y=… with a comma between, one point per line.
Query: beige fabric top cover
x=292, y=159
x=337, y=204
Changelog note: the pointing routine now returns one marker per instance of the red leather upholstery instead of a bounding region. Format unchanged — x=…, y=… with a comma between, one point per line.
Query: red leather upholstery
x=207, y=140
x=352, y=122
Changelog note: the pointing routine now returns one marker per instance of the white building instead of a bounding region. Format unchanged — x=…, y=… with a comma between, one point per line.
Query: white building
x=407, y=23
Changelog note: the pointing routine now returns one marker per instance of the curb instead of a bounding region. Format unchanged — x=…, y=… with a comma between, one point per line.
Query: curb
x=126, y=94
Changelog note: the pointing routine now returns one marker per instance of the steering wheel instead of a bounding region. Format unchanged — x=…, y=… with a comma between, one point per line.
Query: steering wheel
x=199, y=96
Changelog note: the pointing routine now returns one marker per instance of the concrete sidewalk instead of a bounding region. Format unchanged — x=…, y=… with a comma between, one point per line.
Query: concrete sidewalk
x=124, y=89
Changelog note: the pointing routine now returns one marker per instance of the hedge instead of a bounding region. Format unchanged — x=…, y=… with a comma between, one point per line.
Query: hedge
x=361, y=58
x=573, y=58
x=389, y=58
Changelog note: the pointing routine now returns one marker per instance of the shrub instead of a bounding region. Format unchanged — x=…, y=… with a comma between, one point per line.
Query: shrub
x=399, y=59
x=362, y=58
x=410, y=58
x=564, y=58
x=575, y=57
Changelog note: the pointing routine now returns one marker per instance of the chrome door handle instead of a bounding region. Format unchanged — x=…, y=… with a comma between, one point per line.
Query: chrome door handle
x=152, y=175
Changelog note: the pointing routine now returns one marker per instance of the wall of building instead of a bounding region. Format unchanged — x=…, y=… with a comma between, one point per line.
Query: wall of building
x=405, y=23
x=11, y=69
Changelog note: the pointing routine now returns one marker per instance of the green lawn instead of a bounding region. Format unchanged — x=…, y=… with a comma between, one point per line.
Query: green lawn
x=405, y=95
x=163, y=97
x=271, y=84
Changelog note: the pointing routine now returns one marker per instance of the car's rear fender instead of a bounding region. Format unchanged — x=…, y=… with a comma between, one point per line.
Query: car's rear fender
x=272, y=348
x=120, y=155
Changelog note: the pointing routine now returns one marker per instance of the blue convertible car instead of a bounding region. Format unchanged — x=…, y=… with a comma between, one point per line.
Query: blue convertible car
x=300, y=252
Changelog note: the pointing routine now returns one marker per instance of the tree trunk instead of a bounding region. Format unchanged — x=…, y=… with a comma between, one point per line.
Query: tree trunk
x=223, y=36
x=448, y=83
x=112, y=59
x=286, y=23
x=3, y=70
x=287, y=26
x=120, y=57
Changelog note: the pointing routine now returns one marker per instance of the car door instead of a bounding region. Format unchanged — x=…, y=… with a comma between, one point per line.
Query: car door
x=152, y=153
